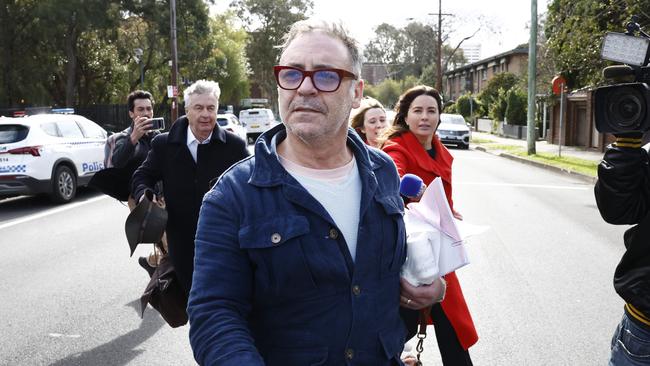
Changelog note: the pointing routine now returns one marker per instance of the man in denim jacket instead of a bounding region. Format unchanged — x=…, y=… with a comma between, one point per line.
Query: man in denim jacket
x=299, y=248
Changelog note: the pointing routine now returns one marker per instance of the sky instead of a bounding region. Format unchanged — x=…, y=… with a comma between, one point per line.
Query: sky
x=505, y=22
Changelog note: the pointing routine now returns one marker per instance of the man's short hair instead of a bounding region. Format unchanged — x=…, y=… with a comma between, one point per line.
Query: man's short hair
x=138, y=94
x=335, y=29
x=201, y=87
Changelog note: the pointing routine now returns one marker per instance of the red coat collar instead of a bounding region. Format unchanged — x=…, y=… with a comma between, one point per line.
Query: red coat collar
x=440, y=166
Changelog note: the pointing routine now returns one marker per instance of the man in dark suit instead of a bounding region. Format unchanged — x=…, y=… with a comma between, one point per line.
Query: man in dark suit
x=187, y=159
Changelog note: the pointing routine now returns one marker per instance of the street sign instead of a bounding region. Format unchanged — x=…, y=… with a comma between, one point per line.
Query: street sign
x=558, y=84
x=172, y=91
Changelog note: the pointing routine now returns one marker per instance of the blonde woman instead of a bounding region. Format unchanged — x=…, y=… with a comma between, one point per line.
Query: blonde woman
x=369, y=120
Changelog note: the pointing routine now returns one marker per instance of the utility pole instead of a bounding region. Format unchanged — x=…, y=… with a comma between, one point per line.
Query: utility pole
x=439, y=48
x=439, y=79
x=174, y=61
x=532, y=77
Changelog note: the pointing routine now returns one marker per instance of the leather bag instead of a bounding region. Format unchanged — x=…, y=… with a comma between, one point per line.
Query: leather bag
x=165, y=294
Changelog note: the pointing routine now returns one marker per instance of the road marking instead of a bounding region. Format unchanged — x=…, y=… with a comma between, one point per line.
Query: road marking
x=49, y=212
x=59, y=335
x=525, y=185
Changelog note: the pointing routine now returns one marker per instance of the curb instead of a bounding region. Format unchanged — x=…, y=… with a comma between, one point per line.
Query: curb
x=586, y=178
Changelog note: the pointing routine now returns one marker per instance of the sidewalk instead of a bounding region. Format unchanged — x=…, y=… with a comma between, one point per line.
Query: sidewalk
x=540, y=147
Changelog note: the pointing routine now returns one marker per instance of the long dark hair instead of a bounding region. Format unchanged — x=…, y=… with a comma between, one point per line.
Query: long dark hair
x=400, y=126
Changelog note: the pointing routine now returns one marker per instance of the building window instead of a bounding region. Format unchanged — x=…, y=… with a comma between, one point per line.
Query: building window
x=484, y=74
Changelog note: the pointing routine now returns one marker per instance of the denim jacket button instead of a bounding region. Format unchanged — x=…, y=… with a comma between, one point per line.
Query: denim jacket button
x=276, y=238
x=334, y=234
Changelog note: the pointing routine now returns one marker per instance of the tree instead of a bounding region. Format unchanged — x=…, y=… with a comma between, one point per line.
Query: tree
x=266, y=22
x=80, y=52
x=62, y=26
x=467, y=106
x=497, y=108
x=516, y=110
x=489, y=96
x=575, y=28
x=407, y=51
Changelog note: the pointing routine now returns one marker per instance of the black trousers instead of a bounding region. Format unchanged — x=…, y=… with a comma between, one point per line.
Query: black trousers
x=451, y=351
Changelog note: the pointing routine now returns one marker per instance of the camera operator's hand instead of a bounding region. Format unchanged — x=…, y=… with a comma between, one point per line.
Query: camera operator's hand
x=141, y=125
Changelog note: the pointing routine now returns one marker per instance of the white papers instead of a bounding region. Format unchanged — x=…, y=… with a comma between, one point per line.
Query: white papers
x=434, y=237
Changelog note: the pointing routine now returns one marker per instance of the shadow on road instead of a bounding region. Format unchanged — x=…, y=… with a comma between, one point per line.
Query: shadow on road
x=121, y=350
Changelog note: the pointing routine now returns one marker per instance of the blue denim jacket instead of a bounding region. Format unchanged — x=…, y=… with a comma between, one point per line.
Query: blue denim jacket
x=274, y=282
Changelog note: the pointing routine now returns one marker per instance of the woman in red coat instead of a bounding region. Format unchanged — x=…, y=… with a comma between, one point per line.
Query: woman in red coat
x=414, y=147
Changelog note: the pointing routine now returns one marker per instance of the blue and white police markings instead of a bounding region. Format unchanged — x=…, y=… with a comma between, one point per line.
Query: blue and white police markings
x=22, y=168
x=94, y=166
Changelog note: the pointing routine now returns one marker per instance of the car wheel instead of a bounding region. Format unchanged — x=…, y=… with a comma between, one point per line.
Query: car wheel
x=464, y=147
x=64, y=185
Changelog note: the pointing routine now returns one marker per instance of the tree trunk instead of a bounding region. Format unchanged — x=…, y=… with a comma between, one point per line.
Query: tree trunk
x=71, y=65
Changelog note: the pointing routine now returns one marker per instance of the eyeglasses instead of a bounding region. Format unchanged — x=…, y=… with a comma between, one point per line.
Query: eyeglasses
x=324, y=80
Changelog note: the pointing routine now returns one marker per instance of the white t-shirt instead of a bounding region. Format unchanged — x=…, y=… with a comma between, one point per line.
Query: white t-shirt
x=338, y=191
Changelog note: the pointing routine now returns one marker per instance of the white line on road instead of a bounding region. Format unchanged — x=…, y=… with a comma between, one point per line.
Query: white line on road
x=52, y=211
x=524, y=185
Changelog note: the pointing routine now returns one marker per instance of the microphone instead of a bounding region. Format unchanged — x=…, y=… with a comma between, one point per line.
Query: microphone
x=619, y=73
x=411, y=186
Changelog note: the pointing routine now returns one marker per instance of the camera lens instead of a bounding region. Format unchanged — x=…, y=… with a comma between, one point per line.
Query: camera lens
x=625, y=107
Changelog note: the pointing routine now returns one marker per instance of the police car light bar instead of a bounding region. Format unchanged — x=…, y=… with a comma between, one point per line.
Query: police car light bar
x=63, y=110
x=623, y=48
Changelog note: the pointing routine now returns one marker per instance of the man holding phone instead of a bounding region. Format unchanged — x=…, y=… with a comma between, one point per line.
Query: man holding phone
x=126, y=151
x=133, y=144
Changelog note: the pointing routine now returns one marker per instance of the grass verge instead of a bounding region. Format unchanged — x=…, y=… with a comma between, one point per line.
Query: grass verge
x=587, y=167
x=577, y=165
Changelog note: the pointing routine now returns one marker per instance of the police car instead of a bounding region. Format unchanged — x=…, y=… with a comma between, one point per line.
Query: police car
x=49, y=153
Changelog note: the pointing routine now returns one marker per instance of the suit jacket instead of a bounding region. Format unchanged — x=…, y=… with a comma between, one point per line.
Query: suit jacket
x=410, y=157
x=274, y=282
x=185, y=182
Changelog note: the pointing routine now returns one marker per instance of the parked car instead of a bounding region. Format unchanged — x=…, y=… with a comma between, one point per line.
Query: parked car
x=453, y=130
x=231, y=123
x=49, y=153
x=257, y=120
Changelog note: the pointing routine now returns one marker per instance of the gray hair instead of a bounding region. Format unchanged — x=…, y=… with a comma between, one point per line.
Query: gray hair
x=201, y=87
x=335, y=29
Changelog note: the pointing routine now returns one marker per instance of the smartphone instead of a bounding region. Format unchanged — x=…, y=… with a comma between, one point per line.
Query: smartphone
x=157, y=124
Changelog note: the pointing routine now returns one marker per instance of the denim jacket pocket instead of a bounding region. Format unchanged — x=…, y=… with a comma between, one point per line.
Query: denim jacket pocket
x=275, y=246
x=394, y=238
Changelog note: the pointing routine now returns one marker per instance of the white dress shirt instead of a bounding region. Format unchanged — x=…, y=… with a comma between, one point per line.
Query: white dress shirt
x=193, y=143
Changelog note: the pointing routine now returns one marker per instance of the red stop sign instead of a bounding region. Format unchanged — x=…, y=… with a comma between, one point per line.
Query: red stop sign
x=558, y=84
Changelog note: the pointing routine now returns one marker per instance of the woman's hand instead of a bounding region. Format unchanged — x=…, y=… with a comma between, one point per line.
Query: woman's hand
x=457, y=214
x=420, y=297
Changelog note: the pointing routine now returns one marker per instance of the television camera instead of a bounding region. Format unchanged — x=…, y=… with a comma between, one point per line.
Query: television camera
x=624, y=107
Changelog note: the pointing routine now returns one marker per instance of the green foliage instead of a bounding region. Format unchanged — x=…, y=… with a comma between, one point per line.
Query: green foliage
x=388, y=91
x=81, y=52
x=575, y=28
x=429, y=75
x=491, y=94
x=466, y=109
x=516, y=110
x=497, y=108
x=451, y=108
x=266, y=22
x=409, y=51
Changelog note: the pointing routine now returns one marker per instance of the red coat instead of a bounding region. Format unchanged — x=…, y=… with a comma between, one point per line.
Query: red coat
x=410, y=157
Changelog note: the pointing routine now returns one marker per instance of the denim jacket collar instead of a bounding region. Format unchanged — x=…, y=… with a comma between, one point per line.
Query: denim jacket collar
x=269, y=172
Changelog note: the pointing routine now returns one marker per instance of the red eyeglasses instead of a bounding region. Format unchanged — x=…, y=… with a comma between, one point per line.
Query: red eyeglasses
x=324, y=80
